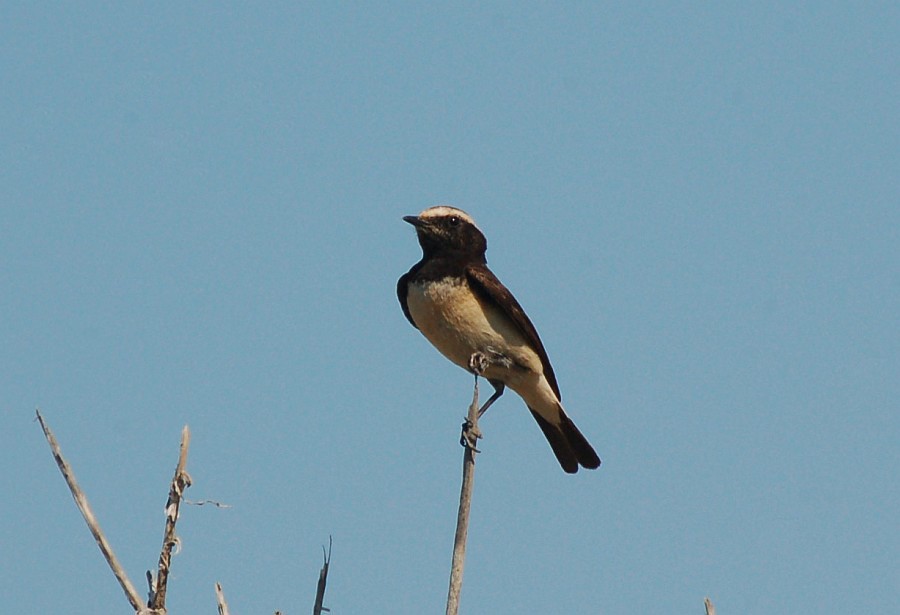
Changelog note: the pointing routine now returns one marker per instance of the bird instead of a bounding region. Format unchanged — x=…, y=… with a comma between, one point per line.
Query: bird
x=461, y=307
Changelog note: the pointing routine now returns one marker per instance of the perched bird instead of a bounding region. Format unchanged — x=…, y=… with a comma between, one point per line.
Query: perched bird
x=461, y=307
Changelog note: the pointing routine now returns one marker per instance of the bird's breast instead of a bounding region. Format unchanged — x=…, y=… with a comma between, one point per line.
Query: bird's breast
x=458, y=324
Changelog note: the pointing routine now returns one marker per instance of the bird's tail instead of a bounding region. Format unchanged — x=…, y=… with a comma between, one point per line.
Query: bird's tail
x=569, y=445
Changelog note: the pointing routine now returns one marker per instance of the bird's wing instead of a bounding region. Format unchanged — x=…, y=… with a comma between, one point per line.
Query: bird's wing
x=490, y=289
x=402, y=291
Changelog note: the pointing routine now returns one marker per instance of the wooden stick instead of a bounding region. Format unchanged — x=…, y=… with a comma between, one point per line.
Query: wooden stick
x=469, y=439
x=180, y=482
x=318, y=609
x=134, y=598
x=710, y=609
x=220, y=600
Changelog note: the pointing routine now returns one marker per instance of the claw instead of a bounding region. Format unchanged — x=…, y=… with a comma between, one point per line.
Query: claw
x=478, y=362
x=470, y=436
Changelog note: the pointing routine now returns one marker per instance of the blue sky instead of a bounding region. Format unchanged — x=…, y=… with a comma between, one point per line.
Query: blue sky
x=697, y=205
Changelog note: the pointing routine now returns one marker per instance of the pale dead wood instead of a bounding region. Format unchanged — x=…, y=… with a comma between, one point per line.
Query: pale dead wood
x=220, y=600
x=134, y=598
x=180, y=482
x=469, y=439
x=710, y=609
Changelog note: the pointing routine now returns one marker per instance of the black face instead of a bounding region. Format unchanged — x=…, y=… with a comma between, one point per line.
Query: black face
x=448, y=234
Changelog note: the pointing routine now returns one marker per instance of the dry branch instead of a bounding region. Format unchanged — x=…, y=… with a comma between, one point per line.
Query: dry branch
x=220, y=600
x=318, y=609
x=710, y=609
x=134, y=598
x=180, y=482
x=469, y=439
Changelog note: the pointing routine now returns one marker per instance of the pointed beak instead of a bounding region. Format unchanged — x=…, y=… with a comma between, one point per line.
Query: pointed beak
x=414, y=220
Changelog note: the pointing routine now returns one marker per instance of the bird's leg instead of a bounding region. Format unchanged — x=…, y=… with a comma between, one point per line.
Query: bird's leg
x=478, y=362
x=499, y=387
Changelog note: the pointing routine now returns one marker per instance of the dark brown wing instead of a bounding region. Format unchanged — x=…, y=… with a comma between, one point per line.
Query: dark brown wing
x=489, y=288
x=403, y=290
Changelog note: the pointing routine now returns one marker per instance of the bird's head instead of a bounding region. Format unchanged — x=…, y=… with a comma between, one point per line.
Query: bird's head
x=445, y=230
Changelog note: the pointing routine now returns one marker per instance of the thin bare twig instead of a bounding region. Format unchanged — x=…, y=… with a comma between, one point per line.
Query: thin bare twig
x=180, y=482
x=710, y=609
x=469, y=439
x=318, y=609
x=204, y=503
x=220, y=600
x=134, y=598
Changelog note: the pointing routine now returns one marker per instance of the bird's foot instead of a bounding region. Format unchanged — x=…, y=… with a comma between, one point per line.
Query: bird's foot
x=478, y=362
x=470, y=436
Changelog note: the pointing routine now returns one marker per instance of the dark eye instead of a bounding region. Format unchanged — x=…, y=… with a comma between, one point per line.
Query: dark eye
x=454, y=221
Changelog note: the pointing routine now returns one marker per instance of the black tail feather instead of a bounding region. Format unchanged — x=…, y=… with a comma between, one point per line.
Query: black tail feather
x=569, y=445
